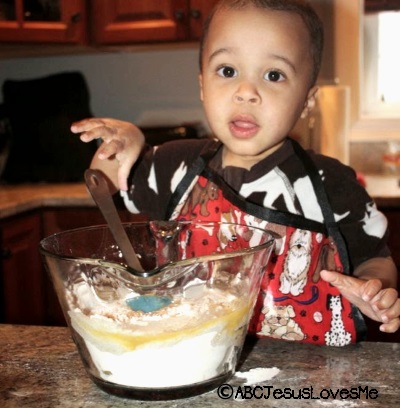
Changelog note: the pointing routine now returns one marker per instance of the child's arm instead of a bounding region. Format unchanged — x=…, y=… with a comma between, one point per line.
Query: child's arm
x=122, y=144
x=372, y=290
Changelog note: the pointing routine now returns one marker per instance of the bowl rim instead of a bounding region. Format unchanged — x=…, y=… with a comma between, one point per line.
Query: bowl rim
x=125, y=269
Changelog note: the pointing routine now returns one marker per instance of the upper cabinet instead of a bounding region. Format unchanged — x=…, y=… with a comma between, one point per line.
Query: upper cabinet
x=43, y=21
x=102, y=22
x=381, y=5
x=135, y=21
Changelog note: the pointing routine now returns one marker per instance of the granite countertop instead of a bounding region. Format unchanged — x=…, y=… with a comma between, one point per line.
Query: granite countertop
x=40, y=368
x=15, y=199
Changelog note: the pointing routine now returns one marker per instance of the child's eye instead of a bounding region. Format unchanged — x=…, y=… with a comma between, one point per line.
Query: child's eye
x=274, y=76
x=227, y=72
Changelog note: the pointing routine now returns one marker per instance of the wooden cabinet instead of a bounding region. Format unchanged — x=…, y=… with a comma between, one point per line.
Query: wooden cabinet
x=133, y=21
x=102, y=21
x=22, y=282
x=57, y=21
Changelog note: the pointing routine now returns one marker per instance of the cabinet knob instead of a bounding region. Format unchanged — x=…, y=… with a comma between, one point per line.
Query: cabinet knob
x=195, y=14
x=179, y=15
x=5, y=253
x=75, y=18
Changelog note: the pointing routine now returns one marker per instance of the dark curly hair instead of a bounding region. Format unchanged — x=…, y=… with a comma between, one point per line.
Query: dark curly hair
x=300, y=7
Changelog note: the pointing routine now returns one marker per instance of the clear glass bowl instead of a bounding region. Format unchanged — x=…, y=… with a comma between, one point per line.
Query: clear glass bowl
x=175, y=330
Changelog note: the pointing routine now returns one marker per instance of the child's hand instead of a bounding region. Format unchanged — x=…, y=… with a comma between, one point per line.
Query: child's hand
x=121, y=140
x=382, y=305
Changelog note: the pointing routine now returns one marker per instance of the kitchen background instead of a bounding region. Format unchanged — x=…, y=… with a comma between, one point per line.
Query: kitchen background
x=157, y=84
x=152, y=85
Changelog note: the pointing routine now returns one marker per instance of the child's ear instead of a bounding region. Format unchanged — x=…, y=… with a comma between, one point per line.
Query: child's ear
x=310, y=102
x=201, y=87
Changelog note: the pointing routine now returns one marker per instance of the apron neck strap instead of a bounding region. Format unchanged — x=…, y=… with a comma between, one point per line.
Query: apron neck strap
x=329, y=217
x=194, y=170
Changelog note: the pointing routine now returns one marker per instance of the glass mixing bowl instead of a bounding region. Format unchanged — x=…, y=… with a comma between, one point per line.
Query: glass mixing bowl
x=172, y=331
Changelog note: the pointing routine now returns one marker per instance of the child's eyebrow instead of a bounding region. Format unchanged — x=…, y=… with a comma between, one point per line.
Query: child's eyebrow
x=285, y=60
x=218, y=52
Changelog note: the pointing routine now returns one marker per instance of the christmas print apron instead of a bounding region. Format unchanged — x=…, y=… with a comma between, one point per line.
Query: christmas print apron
x=294, y=303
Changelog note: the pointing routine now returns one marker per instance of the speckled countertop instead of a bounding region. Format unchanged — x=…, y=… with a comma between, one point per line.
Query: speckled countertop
x=40, y=368
x=15, y=199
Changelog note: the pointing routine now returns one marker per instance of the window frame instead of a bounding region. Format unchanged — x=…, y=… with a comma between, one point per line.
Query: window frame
x=349, y=63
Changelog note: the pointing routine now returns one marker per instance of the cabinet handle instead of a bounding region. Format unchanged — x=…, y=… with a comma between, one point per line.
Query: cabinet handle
x=179, y=15
x=195, y=14
x=5, y=253
x=75, y=18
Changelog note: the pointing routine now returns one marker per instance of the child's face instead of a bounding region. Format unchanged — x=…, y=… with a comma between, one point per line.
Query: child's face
x=255, y=80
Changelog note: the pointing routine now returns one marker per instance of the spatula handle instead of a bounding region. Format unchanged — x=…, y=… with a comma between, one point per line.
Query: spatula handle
x=98, y=187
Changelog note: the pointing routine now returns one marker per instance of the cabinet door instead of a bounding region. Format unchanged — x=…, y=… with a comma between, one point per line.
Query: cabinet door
x=199, y=10
x=129, y=21
x=21, y=272
x=45, y=21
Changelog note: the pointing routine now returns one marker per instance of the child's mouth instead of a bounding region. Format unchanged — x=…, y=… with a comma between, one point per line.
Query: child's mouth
x=243, y=129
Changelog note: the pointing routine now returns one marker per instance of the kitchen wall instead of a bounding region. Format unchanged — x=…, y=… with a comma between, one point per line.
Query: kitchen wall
x=141, y=86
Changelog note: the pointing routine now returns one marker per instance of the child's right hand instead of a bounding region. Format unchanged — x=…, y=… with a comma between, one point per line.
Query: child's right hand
x=122, y=144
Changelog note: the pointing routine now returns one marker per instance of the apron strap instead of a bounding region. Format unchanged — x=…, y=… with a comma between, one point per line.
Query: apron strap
x=332, y=227
x=329, y=218
x=195, y=170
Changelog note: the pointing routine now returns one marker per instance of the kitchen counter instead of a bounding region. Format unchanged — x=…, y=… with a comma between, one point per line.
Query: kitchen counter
x=40, y=368
x=15, y=199
x=384, y=189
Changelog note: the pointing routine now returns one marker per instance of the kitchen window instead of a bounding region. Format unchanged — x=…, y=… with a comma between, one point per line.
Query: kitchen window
x=381, y=74
x=367, y=124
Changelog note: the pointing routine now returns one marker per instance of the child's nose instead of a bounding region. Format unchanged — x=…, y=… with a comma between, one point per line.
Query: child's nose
x=247, y=93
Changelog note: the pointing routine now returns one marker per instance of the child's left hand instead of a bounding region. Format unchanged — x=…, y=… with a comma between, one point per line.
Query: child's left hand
x=382, y=305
